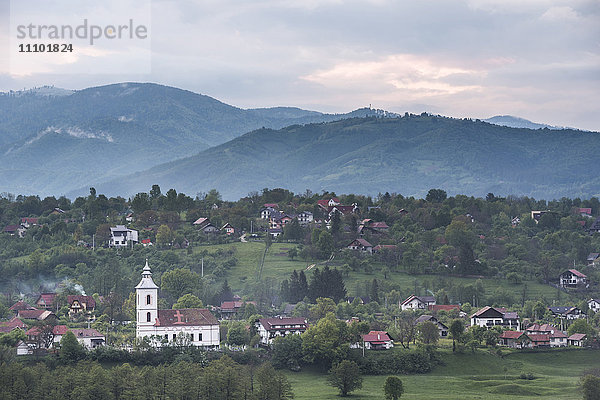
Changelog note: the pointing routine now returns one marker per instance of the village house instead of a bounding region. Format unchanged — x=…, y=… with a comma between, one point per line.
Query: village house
x=417, y=303
x=266, y=212
x=89, y=338
x=229, y=309
x=275, y=232
x=270, y=328
x=11, y=325
x=80, y=304
x=205, y=226
x=23, y=348
x=29, y=222
x=536, y=215
x=326, y=203
x=20, y=305
x=593, y=259
x=35, y=314
x=278, y=220
x=121, y=236
x=58, y=331
x=595, y=227
x=577, y=339
x=375, y=340
x=573, y=279
x=568, y=313
x=200, y=326
x=305, y=218
x=45, y=300
x=515, y=340
x=15, y=230
x=361, y=245
x=442, y=329
x=594, y=305
x=583, y=211
x=228, y=229
x=488, y=317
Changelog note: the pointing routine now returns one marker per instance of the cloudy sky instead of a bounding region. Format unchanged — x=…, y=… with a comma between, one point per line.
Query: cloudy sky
x=537, y=59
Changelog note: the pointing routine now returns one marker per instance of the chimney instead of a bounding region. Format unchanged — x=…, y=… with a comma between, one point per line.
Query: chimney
x=378, y=336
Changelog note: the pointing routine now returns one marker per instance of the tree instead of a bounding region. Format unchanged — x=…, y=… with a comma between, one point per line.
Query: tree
x=71, y=350
x=140, y=203
x=326, y=342
x=164, y=235
x=323, y=306
x=393, y=388
x=188, y=301
x=179, y=281
x=293, y=253
x=237, y=335
x=436, y=195
x=591, y=387
x=346, y=377
x=272, y=385
x=287, y=352
x=428, y=332
x=325, y=244
x=224, y=294
x=580, y=326
x=456, y=330
x=293, y=230
x=404, y=330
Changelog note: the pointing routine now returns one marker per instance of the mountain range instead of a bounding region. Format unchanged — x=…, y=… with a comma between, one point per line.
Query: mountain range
x=53, y=141
x=123, y=138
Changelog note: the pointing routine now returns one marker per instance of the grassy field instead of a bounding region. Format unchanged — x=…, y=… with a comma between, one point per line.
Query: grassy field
x=278, y=265
x=473, y=376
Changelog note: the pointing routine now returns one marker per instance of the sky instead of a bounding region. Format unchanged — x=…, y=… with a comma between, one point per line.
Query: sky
x=536, y=59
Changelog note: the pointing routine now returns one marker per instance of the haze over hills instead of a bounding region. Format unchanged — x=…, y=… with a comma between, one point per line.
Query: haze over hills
x=56, y=141
x=53, y=140
x=407, y=155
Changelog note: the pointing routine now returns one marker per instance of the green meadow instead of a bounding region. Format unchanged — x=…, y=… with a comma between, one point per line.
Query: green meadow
x=278, y=265
x=480, y=375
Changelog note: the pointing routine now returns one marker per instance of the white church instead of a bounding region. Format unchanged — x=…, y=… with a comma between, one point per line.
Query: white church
x=201, y=326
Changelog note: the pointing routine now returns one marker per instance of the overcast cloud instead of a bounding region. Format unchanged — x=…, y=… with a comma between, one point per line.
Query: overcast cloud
x=537, y=59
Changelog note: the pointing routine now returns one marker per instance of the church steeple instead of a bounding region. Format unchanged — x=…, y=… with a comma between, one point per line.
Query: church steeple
x=146, y=294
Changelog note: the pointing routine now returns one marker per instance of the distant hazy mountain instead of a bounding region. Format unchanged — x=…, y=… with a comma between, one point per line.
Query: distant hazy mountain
x=516, y=122
x=54, y=140
x=408, y=155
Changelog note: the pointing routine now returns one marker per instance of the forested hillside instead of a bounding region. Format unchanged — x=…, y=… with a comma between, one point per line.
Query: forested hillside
x=405, y=155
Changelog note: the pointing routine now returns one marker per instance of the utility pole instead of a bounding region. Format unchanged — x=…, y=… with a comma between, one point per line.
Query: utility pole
x=202, y=267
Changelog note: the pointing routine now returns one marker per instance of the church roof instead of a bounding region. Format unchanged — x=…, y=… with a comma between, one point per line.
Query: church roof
x=146, y=282
x=186, y=317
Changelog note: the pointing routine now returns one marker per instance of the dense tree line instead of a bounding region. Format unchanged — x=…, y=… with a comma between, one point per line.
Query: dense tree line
x=221, y=379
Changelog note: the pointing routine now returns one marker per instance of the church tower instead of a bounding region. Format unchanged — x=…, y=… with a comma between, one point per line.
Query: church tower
x=146, y=305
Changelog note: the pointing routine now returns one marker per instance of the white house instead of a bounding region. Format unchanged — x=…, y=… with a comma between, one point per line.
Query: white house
x=488, y=317
x=594, y=305
x=89, y=338
x=573, y=279
x=269, y=328
x=121, y=236
x=305, y=218
x=361, y=245
x=165, y=325
x=568, y=313
x=376, y=340
x=417, y=303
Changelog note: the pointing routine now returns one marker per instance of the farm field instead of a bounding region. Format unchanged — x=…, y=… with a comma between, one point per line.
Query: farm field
x=279, y=266
x=472, y=376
